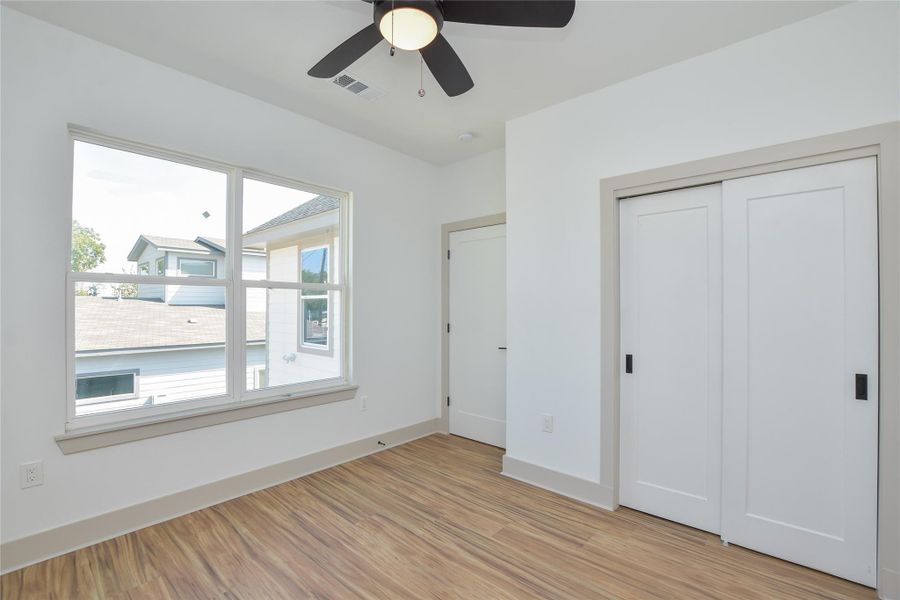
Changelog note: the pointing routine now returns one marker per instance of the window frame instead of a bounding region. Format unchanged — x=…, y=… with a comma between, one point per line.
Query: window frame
x=143, y=268
x=136, y=379
x=162, y=259
x=215, y=267
x=236, y=394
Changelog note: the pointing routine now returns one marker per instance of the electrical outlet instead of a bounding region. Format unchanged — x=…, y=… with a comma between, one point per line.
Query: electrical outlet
x=363, y=403
x=547, y=423
x=31, y=474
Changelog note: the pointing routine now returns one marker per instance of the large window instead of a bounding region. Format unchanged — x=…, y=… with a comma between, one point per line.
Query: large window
x=250, y=308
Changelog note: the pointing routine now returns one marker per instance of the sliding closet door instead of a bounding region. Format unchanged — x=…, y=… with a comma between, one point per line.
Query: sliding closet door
x=671, y=306
x=801, y=366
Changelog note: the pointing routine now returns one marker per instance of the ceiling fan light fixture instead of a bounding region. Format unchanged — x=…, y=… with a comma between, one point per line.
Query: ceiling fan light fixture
x=408, y=28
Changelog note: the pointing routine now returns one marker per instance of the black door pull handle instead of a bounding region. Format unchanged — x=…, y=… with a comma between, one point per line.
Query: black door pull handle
x=862, y=386
x=501, y=347
x=628, y=364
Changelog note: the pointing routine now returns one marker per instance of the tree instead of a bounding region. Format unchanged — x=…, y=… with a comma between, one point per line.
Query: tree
x=87, y=249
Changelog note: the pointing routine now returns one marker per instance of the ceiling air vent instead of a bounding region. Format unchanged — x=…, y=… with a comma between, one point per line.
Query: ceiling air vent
x=358, y=88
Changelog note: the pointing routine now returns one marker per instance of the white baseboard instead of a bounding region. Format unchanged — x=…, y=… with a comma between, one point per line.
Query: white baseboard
x=586, y=491
x=30, y=549
x=889, y=584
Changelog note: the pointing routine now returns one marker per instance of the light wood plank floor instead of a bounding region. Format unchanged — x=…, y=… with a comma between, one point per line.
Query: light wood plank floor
x=429, y=519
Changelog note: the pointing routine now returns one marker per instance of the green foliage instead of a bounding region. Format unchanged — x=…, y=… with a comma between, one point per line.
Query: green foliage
x=87, y=249
x=125, y=290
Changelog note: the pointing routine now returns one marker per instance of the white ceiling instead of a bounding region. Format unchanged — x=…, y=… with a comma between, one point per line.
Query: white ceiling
x=264, y=49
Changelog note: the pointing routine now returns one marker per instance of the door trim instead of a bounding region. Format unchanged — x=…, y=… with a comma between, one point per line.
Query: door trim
x=881, y=141
x=446, y=230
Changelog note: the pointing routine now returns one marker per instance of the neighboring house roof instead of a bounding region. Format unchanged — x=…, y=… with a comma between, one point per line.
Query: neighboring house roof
x=105, y=324
x=318, y=205
x=205, y=245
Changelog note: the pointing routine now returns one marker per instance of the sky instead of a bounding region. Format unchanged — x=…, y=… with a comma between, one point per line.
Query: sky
x=121, y=195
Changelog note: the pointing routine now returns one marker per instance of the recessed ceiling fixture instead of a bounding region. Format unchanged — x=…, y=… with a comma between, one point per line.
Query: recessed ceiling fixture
x=466, y=136
x=417, y=24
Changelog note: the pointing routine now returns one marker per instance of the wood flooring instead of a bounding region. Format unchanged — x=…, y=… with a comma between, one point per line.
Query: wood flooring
x=429, y=519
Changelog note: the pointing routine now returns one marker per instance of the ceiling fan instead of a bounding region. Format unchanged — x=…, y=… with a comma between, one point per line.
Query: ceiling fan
x=417, y=24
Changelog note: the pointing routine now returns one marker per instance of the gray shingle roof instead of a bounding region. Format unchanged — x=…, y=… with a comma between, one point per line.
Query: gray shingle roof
x=318, y=205
x=109, y=324
x=161, y=241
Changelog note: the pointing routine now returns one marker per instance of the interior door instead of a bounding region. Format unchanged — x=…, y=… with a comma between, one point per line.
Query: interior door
x=801, y=366
x=478, y=334
x=671, y=314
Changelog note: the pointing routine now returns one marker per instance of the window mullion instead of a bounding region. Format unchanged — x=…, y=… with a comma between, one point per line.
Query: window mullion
x=237, y=345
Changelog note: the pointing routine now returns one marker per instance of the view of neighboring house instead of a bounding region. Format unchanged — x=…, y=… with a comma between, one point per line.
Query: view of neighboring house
x=167, y=342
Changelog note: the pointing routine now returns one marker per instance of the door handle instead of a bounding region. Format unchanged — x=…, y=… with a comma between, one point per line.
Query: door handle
x=501, y=347
x=862, y=386
x=629, y=366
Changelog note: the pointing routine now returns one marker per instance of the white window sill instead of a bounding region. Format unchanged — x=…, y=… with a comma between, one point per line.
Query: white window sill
x=123, y=432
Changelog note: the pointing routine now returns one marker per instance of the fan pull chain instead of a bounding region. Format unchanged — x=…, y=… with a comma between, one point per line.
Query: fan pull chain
x=421, y=77
x=392, y=28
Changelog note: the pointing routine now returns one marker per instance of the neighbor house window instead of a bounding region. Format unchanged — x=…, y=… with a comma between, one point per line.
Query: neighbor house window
x=250, y=249
x=106, y=387
x=314, y=303
x=196, y=267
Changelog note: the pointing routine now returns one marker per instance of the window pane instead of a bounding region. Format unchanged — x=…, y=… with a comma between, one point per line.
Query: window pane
x=182, y=211
x=193, y=267
x=174, y=344
x=315, y=321
x=291, y=339
x=281, y=224
x=104, y=386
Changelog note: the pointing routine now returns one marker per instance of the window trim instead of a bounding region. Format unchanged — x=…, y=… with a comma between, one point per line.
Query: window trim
x=215, y=269
x=136, y=385
x=235, y=395
x=165, y=266
x=143, y=268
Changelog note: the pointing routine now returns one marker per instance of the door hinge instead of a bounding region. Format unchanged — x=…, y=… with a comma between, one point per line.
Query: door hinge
x=448, y=327
x=629, y=368
x=448, y=255
x=448, y=400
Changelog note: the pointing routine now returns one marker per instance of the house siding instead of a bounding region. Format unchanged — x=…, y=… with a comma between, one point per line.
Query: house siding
x=175, y=375
x=150, y=291
x=288, y=360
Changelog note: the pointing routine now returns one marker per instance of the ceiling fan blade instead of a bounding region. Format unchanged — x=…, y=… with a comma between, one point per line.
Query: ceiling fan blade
x=447, y=68
x=347, y=53
x=512, y=13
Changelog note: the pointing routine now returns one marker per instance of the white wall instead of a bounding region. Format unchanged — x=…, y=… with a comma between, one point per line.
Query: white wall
x=51, y=77
x=472, y=188
x=830, y=73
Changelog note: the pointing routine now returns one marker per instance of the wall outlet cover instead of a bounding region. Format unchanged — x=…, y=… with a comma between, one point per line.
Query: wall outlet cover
x=547, y=423
x=31, y=474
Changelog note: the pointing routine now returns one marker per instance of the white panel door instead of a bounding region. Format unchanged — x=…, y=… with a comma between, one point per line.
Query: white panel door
x=671, y=311
x=478, y=334
x=800, y=322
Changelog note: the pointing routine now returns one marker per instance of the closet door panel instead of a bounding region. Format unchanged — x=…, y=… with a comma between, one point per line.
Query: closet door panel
x=800, y=327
